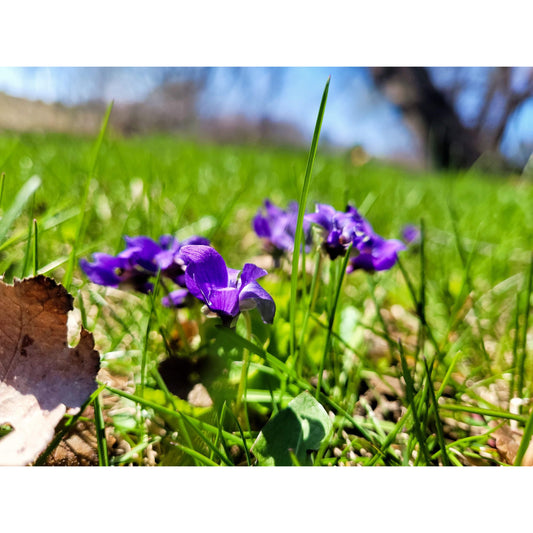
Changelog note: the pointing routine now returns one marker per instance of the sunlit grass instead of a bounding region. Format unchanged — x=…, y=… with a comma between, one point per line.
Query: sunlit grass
x=414, y=366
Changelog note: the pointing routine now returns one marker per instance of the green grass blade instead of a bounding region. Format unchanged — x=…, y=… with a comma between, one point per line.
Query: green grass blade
x=144, y=352
x=171, y=399
x=35, y=247
x=169, y=412
x=22, y=198
x=26, y=261
x=331, y=319
x=246, y=451
x=493, y=413
x=208, y=443
x=438, y=423
x=301, y=212
x=411, y=394
x=514, y=366
x=422, y=297
x=2, y=184
x=194, y=454
x=135, y=451
x=525, y=442
x=523, y=352
x=448, y=374
x=69, y=272
x=103, y=459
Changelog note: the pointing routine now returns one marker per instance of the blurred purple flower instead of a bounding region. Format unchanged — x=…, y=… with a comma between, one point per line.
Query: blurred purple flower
x=169, y=259
x=225, y=291
x=278, y=228
x=341, y=228
x=411, y=234
x=375, y=253
x=177, y=298
x=140, y=261
x=132, y=267
x=371, y=251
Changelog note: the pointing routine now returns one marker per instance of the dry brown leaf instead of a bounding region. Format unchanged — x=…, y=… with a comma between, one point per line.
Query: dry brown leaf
x=507, y=443
x=40, y=375
x=79, y=447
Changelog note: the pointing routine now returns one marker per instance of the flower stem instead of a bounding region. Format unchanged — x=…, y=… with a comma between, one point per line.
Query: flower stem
x=243, y=382
x=339, y=279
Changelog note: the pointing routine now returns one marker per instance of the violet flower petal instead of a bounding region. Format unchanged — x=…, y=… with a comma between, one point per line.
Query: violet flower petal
x=250, y=273
x=253, y=295
x=411, y=234
x=278, y=227
x=175, y=298
x=261, y=226
x=103, y=270
x=323, y=216
x=196, y=240
x=380, y=255
x=205, y=271
x=224, y=301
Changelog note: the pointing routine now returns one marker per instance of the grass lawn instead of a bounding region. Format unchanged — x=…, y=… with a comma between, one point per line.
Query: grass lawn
x=416, y=365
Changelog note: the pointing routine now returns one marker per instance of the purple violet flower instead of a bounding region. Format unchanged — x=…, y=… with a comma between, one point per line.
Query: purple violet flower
x=132, y=267
x=278, y=228
x=140, y=261
x=372, y=252
x=225, y=291
x=375, y=253
x=169, y=259
x=177, y=298
x=411, y=234
x=341, y=228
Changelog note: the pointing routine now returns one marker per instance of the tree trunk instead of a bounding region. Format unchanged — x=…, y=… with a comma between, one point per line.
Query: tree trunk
x=447, y=142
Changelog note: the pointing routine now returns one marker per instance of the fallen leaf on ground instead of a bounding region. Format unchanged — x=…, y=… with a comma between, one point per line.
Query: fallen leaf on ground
x=40, y=375
x=507, y=442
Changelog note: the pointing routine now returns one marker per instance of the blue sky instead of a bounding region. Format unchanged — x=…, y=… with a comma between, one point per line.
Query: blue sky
x=356, y=113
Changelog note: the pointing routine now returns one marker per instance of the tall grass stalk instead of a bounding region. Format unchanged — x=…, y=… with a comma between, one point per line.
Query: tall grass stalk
x=2, y=185
x=514, y=362
x=525, y=442
x=493, y=413
x=27, y=251
x=438, y=423
x=24, y=195
x=69, y=272
x=103, y=459
x=523, y=352
x=313, y=292
x=144, y=352
x=411, y=395
x=466, y=263
x=299, y=225
x=35, y=247
x=243, y=382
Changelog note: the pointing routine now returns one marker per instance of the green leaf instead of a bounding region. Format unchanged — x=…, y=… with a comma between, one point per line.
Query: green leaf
x=301, y=427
